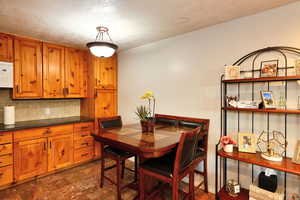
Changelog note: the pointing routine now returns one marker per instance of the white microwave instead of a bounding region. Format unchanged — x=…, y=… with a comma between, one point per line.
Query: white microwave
x=6, y=75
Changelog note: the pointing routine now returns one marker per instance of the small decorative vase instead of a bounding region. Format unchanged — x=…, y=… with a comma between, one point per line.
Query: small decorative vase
x=144, y=125
x=228, y=148
x=147, y=126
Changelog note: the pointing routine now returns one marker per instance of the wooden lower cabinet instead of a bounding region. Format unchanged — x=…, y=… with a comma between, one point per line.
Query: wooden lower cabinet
x=60, y=151
x=30, y=158
x=25, y=154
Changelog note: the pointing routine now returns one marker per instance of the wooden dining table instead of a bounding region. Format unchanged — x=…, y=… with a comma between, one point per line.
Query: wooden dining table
x=145, y=145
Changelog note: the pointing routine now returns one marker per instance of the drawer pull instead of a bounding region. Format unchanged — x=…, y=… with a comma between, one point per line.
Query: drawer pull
x=47, y=132
x=3, y=148
x=84, y=135
x=85, y=143
x=84, y=127
x=85, y=154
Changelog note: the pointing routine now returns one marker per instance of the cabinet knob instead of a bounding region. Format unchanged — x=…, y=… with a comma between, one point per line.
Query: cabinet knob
x=82, y=155
x=17, y=88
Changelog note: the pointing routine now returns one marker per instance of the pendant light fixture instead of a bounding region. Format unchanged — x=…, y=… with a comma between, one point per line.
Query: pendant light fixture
x=101, y=47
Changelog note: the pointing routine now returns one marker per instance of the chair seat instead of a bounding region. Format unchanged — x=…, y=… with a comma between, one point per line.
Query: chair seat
x=117, y=152
x=163, y=165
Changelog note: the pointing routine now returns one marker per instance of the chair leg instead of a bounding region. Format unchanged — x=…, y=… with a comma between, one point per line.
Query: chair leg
x=102, y=172
x=123, y=169
x=191, y=186
x=175, y=189
x=205, y=176
x=136, y=168
x=118, y=180
x=141, y=185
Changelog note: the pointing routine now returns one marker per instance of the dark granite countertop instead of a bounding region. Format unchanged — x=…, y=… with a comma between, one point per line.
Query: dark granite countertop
x=43, y=123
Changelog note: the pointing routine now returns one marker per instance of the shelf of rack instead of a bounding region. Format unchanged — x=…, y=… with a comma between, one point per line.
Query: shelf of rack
x=286, y=165
x=263, y=79
x=243, y=195
x=284, y=111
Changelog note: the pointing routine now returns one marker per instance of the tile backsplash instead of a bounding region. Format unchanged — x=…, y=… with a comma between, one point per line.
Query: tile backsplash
x=39, y=109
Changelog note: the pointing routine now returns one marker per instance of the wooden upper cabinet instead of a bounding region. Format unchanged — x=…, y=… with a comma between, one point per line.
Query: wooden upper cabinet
x=6, y=48
x=60, y=151
x=75, y=71
x=30, y=158
x=53, y=70
x=106, y=72
x=106, y=103
x=28, y=81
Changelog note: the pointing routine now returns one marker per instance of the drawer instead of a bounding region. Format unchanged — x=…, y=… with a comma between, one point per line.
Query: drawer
x=83, y=126
x=6, y=160
x=62, y=129
x=83, y=154
x=6, y=175
x=81, y=134
x=84, y=142
x=5, y=149
x=29, y=134
x=5, y=137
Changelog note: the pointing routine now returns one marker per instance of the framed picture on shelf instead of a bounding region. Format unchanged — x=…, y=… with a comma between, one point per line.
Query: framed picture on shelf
x=268, y=99
x=232, y=72
x=247, y=142
x=269, y=68
x=296, y=157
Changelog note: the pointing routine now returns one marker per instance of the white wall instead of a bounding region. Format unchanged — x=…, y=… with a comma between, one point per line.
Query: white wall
x=184, y=71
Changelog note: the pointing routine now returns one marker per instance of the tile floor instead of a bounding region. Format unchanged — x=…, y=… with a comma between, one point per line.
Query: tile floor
x=79, y=183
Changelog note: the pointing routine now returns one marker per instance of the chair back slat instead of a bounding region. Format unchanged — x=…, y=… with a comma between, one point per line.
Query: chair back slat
x=186, y=149
x=190, y=124
x=166, y=121
x=111, y=122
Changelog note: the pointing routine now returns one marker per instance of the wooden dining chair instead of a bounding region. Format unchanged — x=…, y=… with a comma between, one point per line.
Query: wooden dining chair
x=116, y=154
x=173, y=167
x=168, y=120
x=202, y=145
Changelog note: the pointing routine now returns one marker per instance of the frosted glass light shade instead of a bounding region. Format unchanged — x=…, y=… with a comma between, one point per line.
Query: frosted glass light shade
x=102, y=49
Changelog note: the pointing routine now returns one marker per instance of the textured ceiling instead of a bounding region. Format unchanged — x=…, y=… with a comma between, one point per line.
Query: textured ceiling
x=131, y=22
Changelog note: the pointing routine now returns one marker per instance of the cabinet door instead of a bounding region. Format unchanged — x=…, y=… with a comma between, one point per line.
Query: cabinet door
x=106, y=103
x=30, y=158
x=6, y=48
x=106, y=72
x=28, y=69
x=75, y=73
x=53, y=70
x=60, y=151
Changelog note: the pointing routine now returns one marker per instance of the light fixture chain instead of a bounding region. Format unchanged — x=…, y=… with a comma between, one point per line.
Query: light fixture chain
x=109, y=36
x=98, y=35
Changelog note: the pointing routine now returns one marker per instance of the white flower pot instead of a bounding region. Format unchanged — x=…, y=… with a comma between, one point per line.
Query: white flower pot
x=228, y=148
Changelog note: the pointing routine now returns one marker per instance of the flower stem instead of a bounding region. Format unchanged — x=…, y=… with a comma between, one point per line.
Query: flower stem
x=153, y=107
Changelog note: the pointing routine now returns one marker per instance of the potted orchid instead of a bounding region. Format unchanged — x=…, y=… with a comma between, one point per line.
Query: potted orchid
x=147, y=114
x=227, y=143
